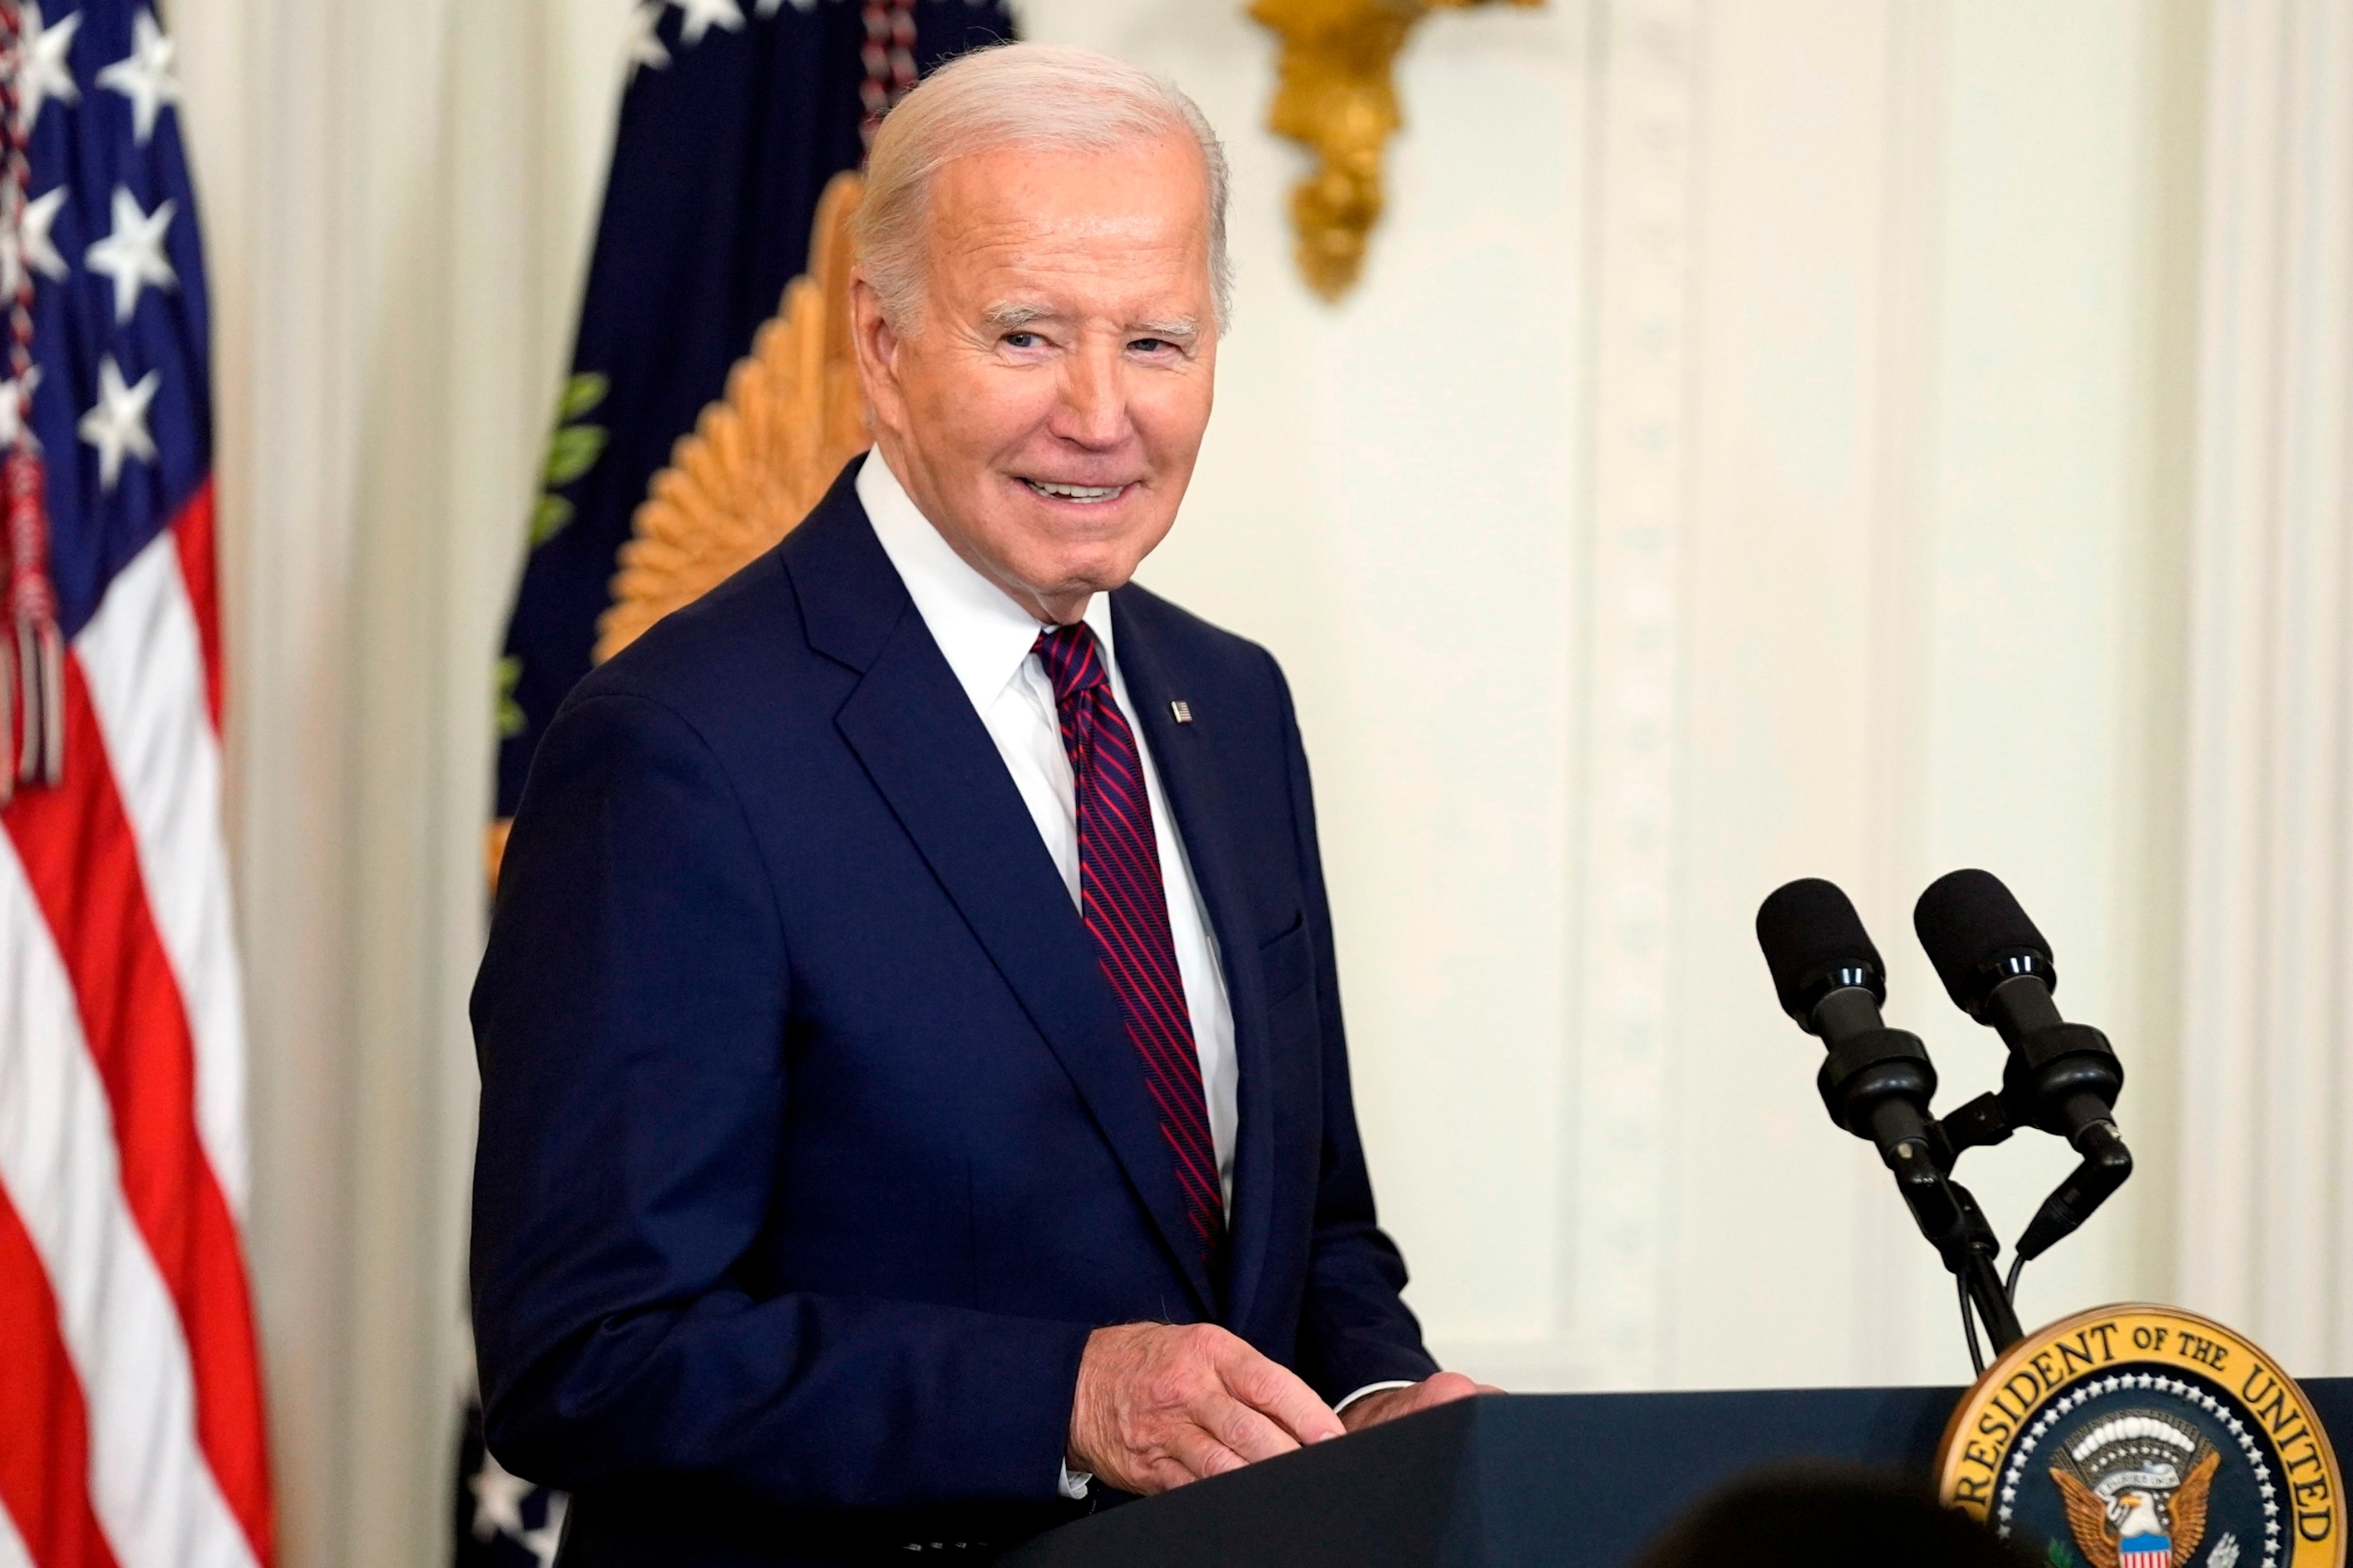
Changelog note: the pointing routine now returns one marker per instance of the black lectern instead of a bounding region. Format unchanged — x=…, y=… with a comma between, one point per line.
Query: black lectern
x=1529, y=1480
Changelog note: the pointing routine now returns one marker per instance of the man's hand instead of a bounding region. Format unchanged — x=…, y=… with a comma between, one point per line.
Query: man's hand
x=1159, y=1406
x=1444, y=1388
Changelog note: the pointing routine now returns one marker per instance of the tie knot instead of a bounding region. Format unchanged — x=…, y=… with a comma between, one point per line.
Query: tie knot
x=1073, y=661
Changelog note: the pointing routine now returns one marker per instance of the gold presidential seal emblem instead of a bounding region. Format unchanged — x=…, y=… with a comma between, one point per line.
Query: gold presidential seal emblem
x=2145, y=1437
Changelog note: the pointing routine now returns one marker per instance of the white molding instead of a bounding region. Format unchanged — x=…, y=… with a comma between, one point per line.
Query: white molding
x=1634, y=612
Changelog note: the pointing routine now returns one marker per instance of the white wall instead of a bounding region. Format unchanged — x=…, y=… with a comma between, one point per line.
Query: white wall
x=1759, y=447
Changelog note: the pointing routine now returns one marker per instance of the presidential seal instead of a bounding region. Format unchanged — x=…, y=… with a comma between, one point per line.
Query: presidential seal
x=2145, y=1437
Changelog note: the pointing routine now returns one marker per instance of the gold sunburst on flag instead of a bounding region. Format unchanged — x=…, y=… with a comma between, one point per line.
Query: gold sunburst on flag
x=762, y=456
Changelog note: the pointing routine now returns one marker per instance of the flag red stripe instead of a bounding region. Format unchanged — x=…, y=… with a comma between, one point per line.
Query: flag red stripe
x=200, y=570
x=82, y=860
x=142, y=656
x=44, y=1478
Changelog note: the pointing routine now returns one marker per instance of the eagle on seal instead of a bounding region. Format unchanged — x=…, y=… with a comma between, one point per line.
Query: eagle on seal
x=2099, y=1527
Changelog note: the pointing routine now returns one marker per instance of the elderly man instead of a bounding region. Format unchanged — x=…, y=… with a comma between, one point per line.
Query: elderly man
x=914, y=1103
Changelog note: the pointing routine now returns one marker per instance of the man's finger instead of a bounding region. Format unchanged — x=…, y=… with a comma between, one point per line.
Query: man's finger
x=1165, y=1475
x=1243, y=1429
x=1264, y=1386
x=1202, y=1455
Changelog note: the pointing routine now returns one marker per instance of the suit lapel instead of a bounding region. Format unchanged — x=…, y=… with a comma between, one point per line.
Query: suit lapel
x=916, y=733
x=1186, y=758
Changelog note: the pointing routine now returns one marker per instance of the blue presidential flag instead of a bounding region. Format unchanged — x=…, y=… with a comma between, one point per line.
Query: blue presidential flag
x=736, y=114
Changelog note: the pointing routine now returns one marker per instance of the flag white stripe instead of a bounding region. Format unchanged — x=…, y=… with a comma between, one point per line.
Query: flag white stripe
x=12, y=1545
x=144, y=663
x=151, y=1489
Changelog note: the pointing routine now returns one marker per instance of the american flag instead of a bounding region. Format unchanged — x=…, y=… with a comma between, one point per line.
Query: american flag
x=130, y=1413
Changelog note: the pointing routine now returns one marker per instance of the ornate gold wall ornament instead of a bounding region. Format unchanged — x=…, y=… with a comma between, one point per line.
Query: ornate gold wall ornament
x=762, y=457
x=1336, y=97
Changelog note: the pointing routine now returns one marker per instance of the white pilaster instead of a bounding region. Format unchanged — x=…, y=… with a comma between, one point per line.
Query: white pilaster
x=1633, y=614
x=2263, y=1224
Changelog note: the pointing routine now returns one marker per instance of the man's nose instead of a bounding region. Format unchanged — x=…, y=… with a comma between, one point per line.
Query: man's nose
x=1093, y=412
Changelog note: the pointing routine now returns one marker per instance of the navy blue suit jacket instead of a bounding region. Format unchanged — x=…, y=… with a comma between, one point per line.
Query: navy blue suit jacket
x=812, y=1145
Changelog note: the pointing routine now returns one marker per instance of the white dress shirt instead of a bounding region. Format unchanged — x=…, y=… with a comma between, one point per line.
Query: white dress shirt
x=988, y=642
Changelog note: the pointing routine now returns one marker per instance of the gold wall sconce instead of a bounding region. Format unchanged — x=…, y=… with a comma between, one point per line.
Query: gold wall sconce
x=1335, y=95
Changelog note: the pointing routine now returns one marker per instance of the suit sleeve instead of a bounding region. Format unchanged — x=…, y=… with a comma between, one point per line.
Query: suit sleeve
x=1355, y=1328
x=630, y=1021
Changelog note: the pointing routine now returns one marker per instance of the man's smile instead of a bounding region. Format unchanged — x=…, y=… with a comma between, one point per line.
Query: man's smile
x=1083, y=495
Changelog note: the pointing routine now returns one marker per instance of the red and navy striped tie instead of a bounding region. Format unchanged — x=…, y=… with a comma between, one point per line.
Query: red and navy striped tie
x=1126, y=912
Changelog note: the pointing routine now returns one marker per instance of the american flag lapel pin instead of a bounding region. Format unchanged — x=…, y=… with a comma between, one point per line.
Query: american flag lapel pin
x=1183, y=710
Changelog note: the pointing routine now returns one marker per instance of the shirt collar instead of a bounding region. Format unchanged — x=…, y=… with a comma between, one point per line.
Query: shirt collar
x=984, y=635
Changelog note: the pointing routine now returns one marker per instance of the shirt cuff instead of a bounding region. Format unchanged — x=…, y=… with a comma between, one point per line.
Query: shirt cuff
x=1371, y=1388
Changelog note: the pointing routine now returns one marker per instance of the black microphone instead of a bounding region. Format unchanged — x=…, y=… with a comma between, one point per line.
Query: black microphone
x=1877, y=1082
x=1873, y=1082
x=2061, y=1077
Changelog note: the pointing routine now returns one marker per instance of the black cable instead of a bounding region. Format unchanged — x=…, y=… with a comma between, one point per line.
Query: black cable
x=1970, y=1325
x=2009, y=1286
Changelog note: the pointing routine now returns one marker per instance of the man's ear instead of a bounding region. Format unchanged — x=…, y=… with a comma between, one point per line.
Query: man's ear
x=876, y=343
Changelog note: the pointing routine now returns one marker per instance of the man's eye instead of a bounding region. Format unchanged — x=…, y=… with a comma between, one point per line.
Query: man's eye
x=1150, y=345
x=1022, y=340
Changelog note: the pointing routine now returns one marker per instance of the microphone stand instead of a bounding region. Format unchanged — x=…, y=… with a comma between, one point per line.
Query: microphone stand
x=1877, y=1082
x=1948, y=1215
x=2061, y=1078
x=2105, y=1165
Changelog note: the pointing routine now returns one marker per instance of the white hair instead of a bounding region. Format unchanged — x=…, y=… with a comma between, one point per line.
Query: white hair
x=1048, y=96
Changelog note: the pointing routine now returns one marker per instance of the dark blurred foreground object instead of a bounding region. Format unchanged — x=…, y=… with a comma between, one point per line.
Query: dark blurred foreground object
x=1828, y=1517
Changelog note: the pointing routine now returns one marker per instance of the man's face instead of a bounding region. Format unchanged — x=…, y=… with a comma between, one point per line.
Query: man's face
x=1045, y=407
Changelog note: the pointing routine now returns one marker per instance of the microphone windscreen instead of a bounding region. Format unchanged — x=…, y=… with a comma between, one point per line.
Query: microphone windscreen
x=1808, y=929
x=1965, y=918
